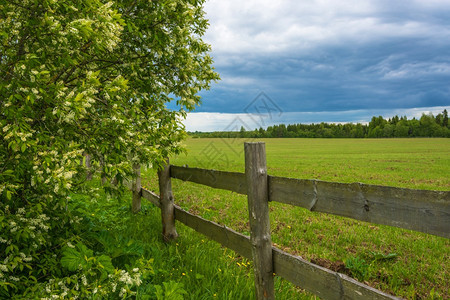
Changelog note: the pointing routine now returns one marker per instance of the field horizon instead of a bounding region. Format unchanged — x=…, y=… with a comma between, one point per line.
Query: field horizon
x=417, y=163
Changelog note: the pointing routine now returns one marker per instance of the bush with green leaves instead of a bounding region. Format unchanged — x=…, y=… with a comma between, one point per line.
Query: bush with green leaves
x=85, y=77
x=28, y=236
x=84, y=254
x=94, y=77
x=93, y=276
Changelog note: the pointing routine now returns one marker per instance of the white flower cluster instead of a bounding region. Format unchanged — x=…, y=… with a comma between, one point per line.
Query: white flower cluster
x=10, y=263
x=25, y=257
x=57, y=175
x=83, y=280
x=8, y=186
x=128, y=279
x=23, y=136
x=13, y=261
x=122, y=292
x=125, y=277
x=61, y=286
x=109, y=28
x=121, y=281
x=75, y=219
x=35, y=226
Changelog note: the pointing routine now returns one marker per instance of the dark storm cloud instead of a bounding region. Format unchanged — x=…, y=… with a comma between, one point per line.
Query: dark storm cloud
x=380, y=75
x=329, y=56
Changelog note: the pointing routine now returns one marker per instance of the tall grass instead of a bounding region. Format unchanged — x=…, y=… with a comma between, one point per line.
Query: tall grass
x=191, y=267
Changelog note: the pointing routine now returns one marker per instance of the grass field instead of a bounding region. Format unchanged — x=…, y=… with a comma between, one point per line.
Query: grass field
x=400, y=262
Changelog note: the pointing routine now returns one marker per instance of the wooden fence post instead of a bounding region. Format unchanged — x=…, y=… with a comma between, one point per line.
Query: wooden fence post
x=136, y=188
x=258, y=207
x=167, y=206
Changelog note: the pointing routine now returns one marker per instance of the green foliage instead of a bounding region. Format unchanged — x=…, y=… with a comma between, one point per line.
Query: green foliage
x=170, y=291
x=80, y=257
x=86, y=283
x=378, y=127
x=122, y=250
x=358, y=267
x=94, y=77
x=203, y=269
x=94, y=275
x=38, y=258
x=26, y=236
x=377, y=256
x=85, y=77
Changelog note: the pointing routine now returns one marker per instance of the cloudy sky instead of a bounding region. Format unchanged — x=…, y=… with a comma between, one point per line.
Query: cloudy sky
x=304, y=61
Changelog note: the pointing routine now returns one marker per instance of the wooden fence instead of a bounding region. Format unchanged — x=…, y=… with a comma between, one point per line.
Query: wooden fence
x=419, y=210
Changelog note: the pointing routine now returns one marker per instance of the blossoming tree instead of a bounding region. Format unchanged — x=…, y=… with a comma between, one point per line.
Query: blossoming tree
x=94, y=77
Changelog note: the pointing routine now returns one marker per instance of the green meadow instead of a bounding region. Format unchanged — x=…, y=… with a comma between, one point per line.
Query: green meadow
x=401, y=262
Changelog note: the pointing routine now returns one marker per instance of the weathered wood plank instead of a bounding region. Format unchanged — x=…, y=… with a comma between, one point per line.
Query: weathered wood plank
x=221, y=234
x=150, y=196
x=419, y=210
x=167, y=206
x=324, y=283
x=292, y=191
x=258, y=208
x=231, y=181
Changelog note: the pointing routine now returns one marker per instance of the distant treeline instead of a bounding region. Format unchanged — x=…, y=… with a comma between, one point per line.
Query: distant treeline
x=427, y=126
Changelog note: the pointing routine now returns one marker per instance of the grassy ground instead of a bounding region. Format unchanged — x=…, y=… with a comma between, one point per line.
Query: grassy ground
x=401, y=262
x=190, y=268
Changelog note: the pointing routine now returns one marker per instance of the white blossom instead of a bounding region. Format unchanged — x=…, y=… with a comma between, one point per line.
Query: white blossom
x=83, y=280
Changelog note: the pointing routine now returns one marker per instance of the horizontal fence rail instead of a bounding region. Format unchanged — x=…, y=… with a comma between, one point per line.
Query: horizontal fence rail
x=231, y=181
x=321, y=281
x=419, y=210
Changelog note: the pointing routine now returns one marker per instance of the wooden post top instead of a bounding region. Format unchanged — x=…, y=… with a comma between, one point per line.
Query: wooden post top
x=254, y=143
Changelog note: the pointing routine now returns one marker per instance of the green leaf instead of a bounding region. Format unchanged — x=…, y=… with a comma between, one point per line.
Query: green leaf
x=130, y=28
x=106, y=266
x=174, y=290
x=105, y=262
x=8, y=173
x=78, y=97
x=84, y=251
x=381, y=256
x=71, y=259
